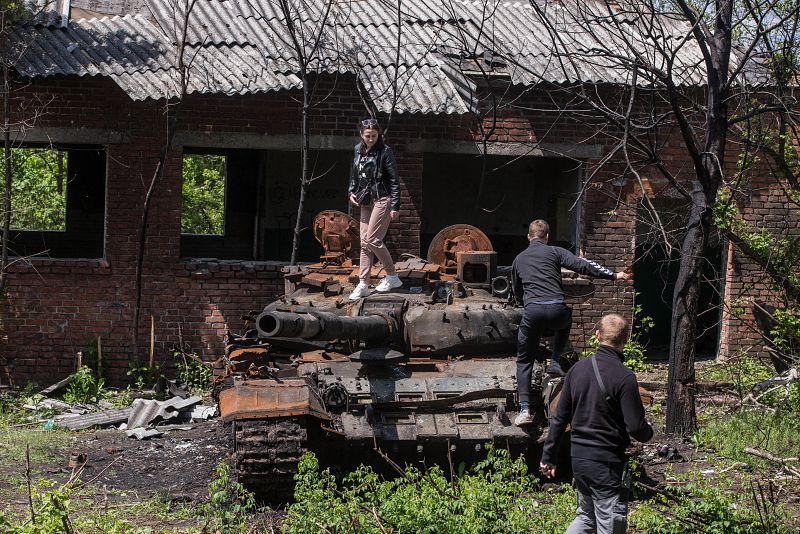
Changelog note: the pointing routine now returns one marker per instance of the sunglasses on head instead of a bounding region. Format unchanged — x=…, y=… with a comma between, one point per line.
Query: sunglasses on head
x=368, y=124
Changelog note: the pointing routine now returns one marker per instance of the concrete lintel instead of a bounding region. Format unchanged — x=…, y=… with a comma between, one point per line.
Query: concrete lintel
x=265, y=141
x=577, y=151
x=80, y=135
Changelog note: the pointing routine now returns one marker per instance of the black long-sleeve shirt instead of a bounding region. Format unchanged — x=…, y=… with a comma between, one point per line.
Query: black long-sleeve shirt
x=601, y=429
x=536, y=272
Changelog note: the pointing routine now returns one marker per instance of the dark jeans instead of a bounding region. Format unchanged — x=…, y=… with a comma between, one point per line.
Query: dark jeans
x=535, y=320
x=603, y=489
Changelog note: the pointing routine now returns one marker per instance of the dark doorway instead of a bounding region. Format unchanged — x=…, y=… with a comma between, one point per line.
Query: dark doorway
x=655, y=273
x=515, y=191
x=281, y=193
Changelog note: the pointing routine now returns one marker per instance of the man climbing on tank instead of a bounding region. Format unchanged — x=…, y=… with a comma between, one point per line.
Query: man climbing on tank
x=536, y=280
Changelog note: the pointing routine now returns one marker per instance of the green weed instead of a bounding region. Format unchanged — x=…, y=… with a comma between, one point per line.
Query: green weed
x=707, y=506
x=193, y=372
x=84, y=387
x=495, y=495
x=777, y=433
x=743, y=371
x=229, y=503
x=42, y=444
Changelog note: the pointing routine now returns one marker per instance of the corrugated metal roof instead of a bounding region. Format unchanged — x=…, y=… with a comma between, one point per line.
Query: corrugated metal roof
x=244, y=46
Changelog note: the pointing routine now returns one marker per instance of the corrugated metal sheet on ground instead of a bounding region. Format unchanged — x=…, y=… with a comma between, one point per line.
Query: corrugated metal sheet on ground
x=146, y=413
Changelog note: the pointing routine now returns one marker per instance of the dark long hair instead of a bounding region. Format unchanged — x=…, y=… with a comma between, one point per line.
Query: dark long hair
x=370, y=124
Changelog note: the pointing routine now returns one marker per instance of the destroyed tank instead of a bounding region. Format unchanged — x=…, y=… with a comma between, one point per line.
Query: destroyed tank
x=425, y=372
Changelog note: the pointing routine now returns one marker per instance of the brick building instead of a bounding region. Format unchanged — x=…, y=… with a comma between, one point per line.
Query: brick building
x=98, y=87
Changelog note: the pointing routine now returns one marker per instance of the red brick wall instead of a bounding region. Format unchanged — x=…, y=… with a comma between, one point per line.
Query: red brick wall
x=58, y=307
x=764, y=207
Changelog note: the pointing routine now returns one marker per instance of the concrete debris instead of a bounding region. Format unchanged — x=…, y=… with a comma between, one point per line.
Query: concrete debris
x=105, y=405
x=144, y=433
x=49, y=404
x=202, y=412
x=105, y=418
x=170, y=428
x=58, y=386
x=148, y=413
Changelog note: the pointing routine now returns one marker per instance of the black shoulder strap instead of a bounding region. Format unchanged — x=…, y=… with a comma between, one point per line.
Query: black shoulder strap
x=599, y=378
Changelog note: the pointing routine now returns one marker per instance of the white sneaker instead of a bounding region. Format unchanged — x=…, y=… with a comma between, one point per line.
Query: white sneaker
x=388, y=283
x=361, y=291
x=524, y=418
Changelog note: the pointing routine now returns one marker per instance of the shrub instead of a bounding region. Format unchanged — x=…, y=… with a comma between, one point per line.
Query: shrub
x=704, y=506
x=84, y=387
x=229, y=503
x=193, y=372
x=495, y=495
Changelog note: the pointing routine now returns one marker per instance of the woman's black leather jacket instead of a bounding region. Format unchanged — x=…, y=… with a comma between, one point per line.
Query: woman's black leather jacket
x=385, y=182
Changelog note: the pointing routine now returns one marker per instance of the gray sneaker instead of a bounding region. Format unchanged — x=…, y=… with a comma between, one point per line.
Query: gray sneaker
x=524, y=418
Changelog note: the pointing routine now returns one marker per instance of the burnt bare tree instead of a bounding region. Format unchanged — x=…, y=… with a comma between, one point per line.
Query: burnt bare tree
x=177, y=87
x=669, y=70
x=304, y=28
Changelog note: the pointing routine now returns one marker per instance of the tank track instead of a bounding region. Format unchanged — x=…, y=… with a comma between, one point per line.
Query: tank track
x=267, y=454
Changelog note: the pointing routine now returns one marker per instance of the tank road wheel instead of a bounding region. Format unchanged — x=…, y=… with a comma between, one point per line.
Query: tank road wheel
x=267, y=454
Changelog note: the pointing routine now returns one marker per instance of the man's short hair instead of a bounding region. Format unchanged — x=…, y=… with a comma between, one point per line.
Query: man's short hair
x=614, y=330
x=538, y=229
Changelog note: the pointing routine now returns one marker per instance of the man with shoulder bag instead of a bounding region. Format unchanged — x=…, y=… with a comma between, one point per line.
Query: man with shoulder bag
x=600, y=400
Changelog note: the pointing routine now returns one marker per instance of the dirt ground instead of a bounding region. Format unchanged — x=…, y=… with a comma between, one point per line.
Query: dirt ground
x=173, y=470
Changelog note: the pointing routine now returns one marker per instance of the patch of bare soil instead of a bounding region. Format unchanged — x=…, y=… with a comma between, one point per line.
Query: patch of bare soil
x=174, y=468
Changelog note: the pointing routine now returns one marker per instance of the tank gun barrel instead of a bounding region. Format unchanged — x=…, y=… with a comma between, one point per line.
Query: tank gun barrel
x=324, y=326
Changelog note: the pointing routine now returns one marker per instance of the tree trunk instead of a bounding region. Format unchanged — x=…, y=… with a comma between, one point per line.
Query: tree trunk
x=6, y=160
x=304, y=179
x=680, y=395
x=681, y=418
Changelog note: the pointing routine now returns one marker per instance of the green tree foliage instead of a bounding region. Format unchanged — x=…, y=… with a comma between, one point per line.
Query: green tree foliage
x=38, y=189
x=203, y=194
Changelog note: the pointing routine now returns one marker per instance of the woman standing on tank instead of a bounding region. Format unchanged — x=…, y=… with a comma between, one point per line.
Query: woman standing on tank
x=375, y=188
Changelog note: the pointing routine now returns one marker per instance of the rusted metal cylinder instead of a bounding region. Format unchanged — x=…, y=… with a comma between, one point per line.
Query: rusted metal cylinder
x=324, y=326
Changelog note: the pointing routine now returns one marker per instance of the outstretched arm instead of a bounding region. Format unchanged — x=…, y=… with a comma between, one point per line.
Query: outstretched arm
x=587, y=267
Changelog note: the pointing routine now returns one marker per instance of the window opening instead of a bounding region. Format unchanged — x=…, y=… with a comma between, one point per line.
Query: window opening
x=203, y=194
x=58, y=201
x=515, y=191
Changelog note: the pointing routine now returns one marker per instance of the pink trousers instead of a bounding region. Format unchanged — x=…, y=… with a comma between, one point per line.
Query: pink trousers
x=374, y=222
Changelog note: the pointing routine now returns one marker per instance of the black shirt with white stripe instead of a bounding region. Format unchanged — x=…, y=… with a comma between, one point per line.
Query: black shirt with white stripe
x=536, y=272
